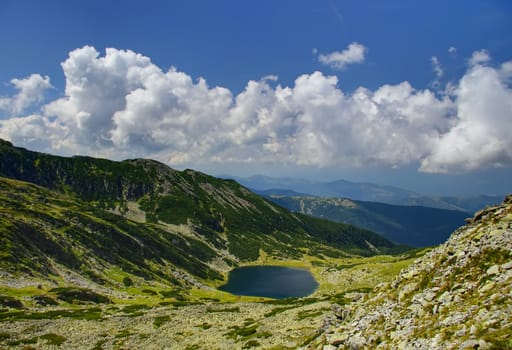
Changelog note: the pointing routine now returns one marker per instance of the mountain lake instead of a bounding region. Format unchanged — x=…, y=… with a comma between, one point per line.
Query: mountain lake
x=270, y=281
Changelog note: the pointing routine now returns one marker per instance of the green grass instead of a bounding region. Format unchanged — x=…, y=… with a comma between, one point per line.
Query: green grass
x=53, y=339
x=241, y=333
x=226, y=309
x=278, y=310
x=78, y=295
x=311, y=313
x=205, y=325
x=23, y=341
x=160, y=320
x=80, y=314
x=251, y=344
x=12, y=302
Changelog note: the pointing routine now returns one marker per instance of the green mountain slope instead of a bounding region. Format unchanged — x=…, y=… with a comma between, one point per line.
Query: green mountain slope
x=44, y=233
x=146, y=217
x=413, y=225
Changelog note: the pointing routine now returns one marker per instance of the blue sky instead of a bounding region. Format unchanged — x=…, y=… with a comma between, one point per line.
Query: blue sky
x=408, y=93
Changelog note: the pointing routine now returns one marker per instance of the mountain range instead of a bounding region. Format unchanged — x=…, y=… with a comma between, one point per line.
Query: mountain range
x=363, y=191
x=416, y=226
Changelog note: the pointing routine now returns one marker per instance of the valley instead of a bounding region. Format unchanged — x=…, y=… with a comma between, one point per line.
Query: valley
x=131, y=254
x=154, y=316
x=97, y=254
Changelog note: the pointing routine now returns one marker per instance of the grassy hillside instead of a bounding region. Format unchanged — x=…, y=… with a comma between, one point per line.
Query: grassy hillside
x=142, y=215
x=413, y=225
x=43, y=233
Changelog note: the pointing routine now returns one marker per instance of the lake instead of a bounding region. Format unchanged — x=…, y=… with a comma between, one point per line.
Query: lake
x=270, y=281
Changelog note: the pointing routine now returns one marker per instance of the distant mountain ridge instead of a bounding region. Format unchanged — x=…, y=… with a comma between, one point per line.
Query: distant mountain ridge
x=366, y=192
x=416, y=226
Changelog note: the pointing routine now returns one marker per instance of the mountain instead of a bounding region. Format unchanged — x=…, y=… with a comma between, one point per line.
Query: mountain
x=458, y=296
x=109, y=255
x=85, y=214
x=281, y=193
x=339, y=188
x=416, y=226
x=366, y=192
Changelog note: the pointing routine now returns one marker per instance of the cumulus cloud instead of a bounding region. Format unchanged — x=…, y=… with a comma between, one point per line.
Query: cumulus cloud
x=481, y=135
x=452, y=50
x=354, y=53
x=122, y=105
x=479, y=57
x=30, y=90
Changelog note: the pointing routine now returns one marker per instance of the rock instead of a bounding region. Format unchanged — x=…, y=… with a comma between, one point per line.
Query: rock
x=507, y=266
x=416, y=309
x=340, y=312
x=337, y=339
x=493, y=270
x=446, y=297
x=460, y=332
x=487, y=287
x=356, y=343
x=410, y=274
x=429, y=296
x=407, y=289
x=469, y=344
x=329, y=347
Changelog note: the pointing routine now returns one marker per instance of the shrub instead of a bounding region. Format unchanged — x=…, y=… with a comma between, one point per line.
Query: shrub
x=127, y=281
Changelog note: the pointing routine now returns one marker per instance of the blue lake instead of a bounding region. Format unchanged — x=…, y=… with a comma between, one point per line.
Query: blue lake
x=270, y=281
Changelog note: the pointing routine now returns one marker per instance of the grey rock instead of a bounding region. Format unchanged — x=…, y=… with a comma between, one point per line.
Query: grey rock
x=329, y=347
x=356, y=343
x=493, y=270
x=507, y=266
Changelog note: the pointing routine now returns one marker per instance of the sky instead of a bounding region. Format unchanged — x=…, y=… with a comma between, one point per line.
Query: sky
x=415, y=94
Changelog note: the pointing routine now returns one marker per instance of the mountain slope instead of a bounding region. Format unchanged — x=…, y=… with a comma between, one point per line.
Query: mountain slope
x=412, y=225
x=44, y=233
x=458, y=296
x=190, y=220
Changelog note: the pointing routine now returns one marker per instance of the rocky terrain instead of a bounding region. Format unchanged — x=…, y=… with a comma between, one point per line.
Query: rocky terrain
x=457, y=296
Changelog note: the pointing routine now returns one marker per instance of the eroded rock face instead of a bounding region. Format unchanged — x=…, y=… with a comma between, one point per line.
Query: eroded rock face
x=458, y=296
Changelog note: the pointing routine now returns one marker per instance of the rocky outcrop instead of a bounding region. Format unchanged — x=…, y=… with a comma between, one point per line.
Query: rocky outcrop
x=457, y=296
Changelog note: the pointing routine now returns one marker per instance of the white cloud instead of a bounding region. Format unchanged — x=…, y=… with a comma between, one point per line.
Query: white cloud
x=354, y=53
x=479, y=57
x=481, y=135
x=452, y=50
x=436, y=66
x=30, y=90
x=122, y=105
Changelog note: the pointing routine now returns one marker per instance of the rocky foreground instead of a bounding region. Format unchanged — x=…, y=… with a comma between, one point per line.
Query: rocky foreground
x=458, y=296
